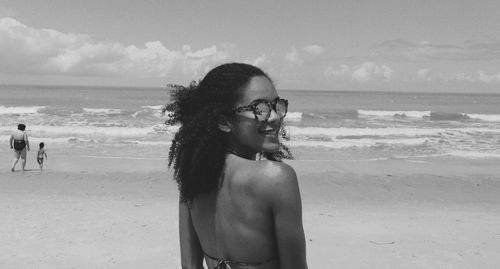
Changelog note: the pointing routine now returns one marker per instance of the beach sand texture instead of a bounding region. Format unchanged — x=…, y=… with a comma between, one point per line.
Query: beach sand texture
x=101, y=211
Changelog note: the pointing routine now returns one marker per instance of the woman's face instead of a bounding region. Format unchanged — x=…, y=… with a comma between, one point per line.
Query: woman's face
x=249, y=136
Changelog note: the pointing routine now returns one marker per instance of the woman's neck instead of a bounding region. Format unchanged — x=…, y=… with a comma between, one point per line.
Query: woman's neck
x=242, y=154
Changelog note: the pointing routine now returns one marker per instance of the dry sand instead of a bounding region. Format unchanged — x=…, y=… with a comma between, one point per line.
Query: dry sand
x=100, y=211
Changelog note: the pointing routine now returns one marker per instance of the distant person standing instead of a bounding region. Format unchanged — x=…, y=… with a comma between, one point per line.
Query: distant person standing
x=40, y=155
x=19, y=142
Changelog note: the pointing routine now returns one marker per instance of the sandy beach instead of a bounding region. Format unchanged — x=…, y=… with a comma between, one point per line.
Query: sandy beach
x=391, y=109
x=95, y=209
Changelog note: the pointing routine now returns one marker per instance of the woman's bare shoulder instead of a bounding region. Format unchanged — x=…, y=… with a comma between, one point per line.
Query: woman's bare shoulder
x=270, y=176
x=274, y=170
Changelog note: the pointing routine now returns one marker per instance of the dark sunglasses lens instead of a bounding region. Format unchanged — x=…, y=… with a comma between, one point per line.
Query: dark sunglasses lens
x=281, y=108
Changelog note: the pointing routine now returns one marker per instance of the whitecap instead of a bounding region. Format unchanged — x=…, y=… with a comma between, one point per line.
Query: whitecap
x=102, y=111
x=293, y=116
x=395, y=113
x=485, y=117
x=20, y=109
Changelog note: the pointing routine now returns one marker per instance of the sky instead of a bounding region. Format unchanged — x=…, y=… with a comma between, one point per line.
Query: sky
x=390, y=45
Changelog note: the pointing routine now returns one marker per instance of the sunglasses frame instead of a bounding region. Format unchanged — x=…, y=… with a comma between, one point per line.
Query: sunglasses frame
x=271, y=104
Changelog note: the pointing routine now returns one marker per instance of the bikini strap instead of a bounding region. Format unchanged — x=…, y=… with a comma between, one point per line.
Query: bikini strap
x=225, y=263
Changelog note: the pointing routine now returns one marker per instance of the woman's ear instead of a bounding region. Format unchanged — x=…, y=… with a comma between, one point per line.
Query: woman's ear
x=224, y=124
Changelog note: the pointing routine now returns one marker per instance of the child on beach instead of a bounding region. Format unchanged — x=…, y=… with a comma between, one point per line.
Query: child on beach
x=40, y=155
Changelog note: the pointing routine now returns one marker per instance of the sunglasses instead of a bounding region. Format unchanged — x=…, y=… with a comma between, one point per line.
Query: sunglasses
x=262, y=108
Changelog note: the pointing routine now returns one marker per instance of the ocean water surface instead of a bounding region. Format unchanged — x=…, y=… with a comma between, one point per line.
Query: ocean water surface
x=359, y=125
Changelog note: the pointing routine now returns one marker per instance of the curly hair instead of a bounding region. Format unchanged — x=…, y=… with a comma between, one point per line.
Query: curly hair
x=198, y=148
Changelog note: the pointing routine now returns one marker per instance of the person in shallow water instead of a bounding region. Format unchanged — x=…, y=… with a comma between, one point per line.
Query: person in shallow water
x=240, y=206
x=41, y=154
x=19, y=142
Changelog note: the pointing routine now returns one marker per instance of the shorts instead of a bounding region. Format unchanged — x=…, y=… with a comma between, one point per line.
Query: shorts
x=39, y=160
x=20, y=153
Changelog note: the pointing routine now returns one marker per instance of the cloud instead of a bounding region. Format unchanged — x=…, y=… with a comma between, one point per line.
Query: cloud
x=423, y=74
x=478, y=76
x=367, y=71
x=260, y=61
x=45, y=51
x=403, y=50
x=484, y=77
x=341, y=72
x=463, y=77
x=313, y=50
x=293, y=58
x=306, y=54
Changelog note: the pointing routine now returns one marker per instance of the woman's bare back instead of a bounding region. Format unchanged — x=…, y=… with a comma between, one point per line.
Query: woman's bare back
x=235, y=222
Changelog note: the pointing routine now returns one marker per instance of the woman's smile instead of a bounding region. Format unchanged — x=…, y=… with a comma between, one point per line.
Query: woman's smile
x=270, y=132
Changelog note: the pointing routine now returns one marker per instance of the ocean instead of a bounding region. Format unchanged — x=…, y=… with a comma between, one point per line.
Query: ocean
x=329, y=124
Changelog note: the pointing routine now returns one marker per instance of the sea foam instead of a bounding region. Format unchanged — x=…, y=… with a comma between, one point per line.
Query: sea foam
x=158, y=107
x=433, y=115
x=344, y=131
x=293, y=116
x=359, y=143
x=51, y=131
x=485, y=117
x=102, y=111
x=20, y=109
x=474, y=154
x=401, y=113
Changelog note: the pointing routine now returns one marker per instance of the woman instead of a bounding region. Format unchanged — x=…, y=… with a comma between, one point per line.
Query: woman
x=236, y=210
x=19, y=142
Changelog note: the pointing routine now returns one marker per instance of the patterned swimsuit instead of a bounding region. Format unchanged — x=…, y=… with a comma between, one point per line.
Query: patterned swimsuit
x=226, y=263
